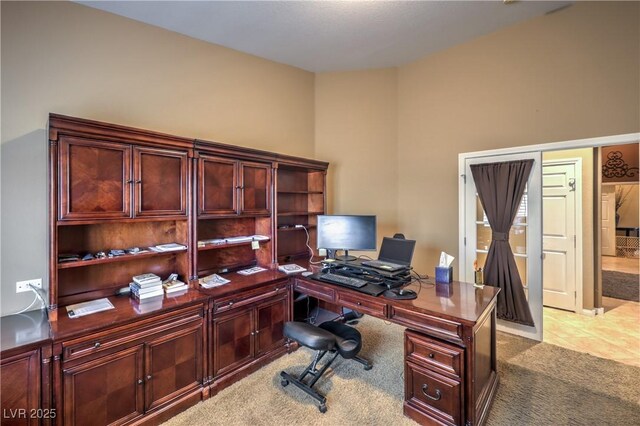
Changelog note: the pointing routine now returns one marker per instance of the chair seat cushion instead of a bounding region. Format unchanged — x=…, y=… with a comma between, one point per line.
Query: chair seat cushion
x=310, y=336
x=348, y=339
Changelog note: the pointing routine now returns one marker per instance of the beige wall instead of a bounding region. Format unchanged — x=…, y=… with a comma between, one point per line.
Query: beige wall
x=70, y=59
x=586, y=183
x=356, y=131
x=572, y=74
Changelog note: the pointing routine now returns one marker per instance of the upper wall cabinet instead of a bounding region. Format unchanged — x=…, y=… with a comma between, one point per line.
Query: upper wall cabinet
x=160, y=178
x=95, y=179
x=231, y=187
x=112, y=173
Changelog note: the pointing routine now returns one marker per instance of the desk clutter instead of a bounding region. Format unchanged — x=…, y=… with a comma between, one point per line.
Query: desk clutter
x=147, y=286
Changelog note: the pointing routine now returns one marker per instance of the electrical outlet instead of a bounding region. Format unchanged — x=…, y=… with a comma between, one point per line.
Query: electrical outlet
x=23, y=286
x=322, y=252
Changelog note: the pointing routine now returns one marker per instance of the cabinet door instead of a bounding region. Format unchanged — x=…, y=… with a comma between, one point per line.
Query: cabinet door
x=173, y=366
x=270, y=319
x=160, y=178
x=94, y=179
x=232, y=340
x=255, y=188
x=217, y=186
x=20, y=388
x=107, y=390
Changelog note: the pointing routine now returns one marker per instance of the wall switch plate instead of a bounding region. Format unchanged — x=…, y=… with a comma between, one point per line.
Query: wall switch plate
x=23, y=286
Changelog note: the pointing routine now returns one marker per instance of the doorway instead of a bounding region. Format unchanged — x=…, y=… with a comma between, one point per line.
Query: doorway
x=469, y=223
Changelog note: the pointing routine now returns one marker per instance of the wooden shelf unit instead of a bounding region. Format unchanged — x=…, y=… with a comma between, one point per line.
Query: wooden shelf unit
x=300, y=198
x=114, y=187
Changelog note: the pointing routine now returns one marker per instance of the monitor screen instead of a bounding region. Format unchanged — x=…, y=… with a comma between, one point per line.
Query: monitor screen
x=347, y=232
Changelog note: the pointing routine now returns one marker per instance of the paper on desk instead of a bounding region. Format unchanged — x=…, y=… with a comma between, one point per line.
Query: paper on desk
x=445, y=260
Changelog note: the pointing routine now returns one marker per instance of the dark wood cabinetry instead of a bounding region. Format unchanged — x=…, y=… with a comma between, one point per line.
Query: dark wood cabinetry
x=160, y=182
x=233, y=187
x=102, y=180
x=95, y=179
x=106, y=390
x=120, y=374
x=20, y=388
x=301, y=198
x=246, y=329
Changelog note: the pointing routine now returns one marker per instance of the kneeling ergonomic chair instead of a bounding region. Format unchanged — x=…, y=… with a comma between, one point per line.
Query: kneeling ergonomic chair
x=329, y=336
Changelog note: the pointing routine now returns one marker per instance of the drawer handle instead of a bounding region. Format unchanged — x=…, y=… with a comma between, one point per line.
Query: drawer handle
x=431, y=355
x=359, y=303
x=425, y=387
x=230, y=303
x=96, y=345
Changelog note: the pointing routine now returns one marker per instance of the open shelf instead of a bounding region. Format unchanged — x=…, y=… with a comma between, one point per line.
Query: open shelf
x=297, y=229
x=300, y=192
x=226, y=245
x=123, y=258
x=299, y=213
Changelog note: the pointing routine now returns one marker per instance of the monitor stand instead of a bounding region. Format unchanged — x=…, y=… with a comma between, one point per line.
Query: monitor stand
x=346, y=257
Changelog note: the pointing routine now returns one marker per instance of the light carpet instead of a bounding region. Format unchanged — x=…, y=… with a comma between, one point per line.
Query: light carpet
x=540, y=384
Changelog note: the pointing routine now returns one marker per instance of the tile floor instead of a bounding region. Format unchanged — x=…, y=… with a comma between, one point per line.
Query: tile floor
x=614, y=335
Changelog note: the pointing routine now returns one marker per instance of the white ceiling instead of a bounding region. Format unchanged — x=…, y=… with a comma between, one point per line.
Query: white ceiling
x=331, y=35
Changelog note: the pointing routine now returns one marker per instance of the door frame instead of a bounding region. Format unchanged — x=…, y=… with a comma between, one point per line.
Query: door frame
x=577, y=162
x=621, y=139
x=534, y=244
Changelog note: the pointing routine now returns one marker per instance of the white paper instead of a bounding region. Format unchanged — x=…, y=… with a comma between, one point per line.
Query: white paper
x=445, y=260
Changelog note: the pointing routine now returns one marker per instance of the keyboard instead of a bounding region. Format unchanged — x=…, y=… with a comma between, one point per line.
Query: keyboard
x=345, y=281
x=386, y=266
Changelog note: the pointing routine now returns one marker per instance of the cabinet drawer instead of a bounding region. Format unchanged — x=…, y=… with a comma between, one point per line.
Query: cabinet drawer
x=376, y=309
x=434, y=326
x=433, y=354
x=249, y=297
x=321, y=292
x=433, y=395
x=106, y=342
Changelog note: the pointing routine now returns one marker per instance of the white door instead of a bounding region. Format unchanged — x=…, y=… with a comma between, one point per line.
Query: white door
x=608, y=220
x=525, y=237
x=560, y=180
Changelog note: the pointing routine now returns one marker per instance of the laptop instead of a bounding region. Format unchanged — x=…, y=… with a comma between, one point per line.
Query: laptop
x=395, y=255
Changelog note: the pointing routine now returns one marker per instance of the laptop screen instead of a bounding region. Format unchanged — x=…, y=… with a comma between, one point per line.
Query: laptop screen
x=396, y=250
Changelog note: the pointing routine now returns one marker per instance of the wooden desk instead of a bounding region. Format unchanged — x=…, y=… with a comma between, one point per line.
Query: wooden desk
x=450, y=345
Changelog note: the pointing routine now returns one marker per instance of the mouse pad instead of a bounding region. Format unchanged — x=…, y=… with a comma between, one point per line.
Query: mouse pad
x=390, y=294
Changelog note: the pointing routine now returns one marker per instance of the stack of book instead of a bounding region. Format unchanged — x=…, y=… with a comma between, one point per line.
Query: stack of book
x=146, y=286
x=161, y=248
x=172, y=287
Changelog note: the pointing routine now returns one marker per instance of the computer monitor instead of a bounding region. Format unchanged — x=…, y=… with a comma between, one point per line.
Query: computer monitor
x=344, y=232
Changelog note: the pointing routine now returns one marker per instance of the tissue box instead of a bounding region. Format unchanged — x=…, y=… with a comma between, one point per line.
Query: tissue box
x=444, y=275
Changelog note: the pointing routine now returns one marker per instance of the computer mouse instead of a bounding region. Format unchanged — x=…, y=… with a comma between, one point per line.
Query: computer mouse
x=403, y=292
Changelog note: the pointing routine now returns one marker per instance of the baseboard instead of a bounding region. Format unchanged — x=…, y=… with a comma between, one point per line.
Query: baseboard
x=593, y=312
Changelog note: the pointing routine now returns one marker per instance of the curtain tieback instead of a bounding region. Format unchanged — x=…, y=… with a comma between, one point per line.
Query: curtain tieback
x=500, y=236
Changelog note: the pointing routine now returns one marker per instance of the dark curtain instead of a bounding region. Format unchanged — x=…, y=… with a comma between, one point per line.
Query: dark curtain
x=500, y=187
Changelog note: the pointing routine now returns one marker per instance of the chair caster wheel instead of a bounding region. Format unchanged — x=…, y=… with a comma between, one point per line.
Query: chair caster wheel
x=284, y=383
x=368, y=367
x=323, y=408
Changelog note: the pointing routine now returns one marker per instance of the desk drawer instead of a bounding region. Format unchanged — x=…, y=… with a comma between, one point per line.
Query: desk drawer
x=249, y=297
x=432, y=395
x=320, y=291
x=360, y=304
x=433, y=354
x=434, y=326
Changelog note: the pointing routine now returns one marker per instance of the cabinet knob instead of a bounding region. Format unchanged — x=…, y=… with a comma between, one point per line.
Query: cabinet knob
x=253, y=333
x=138, y=181
x=425, y=388
x=96, y=345
x=140, y=381
x=431, y=355
x=149, y=377
x=359, y=303
x=257, y=331
x=129, y=181
x=230, y=303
